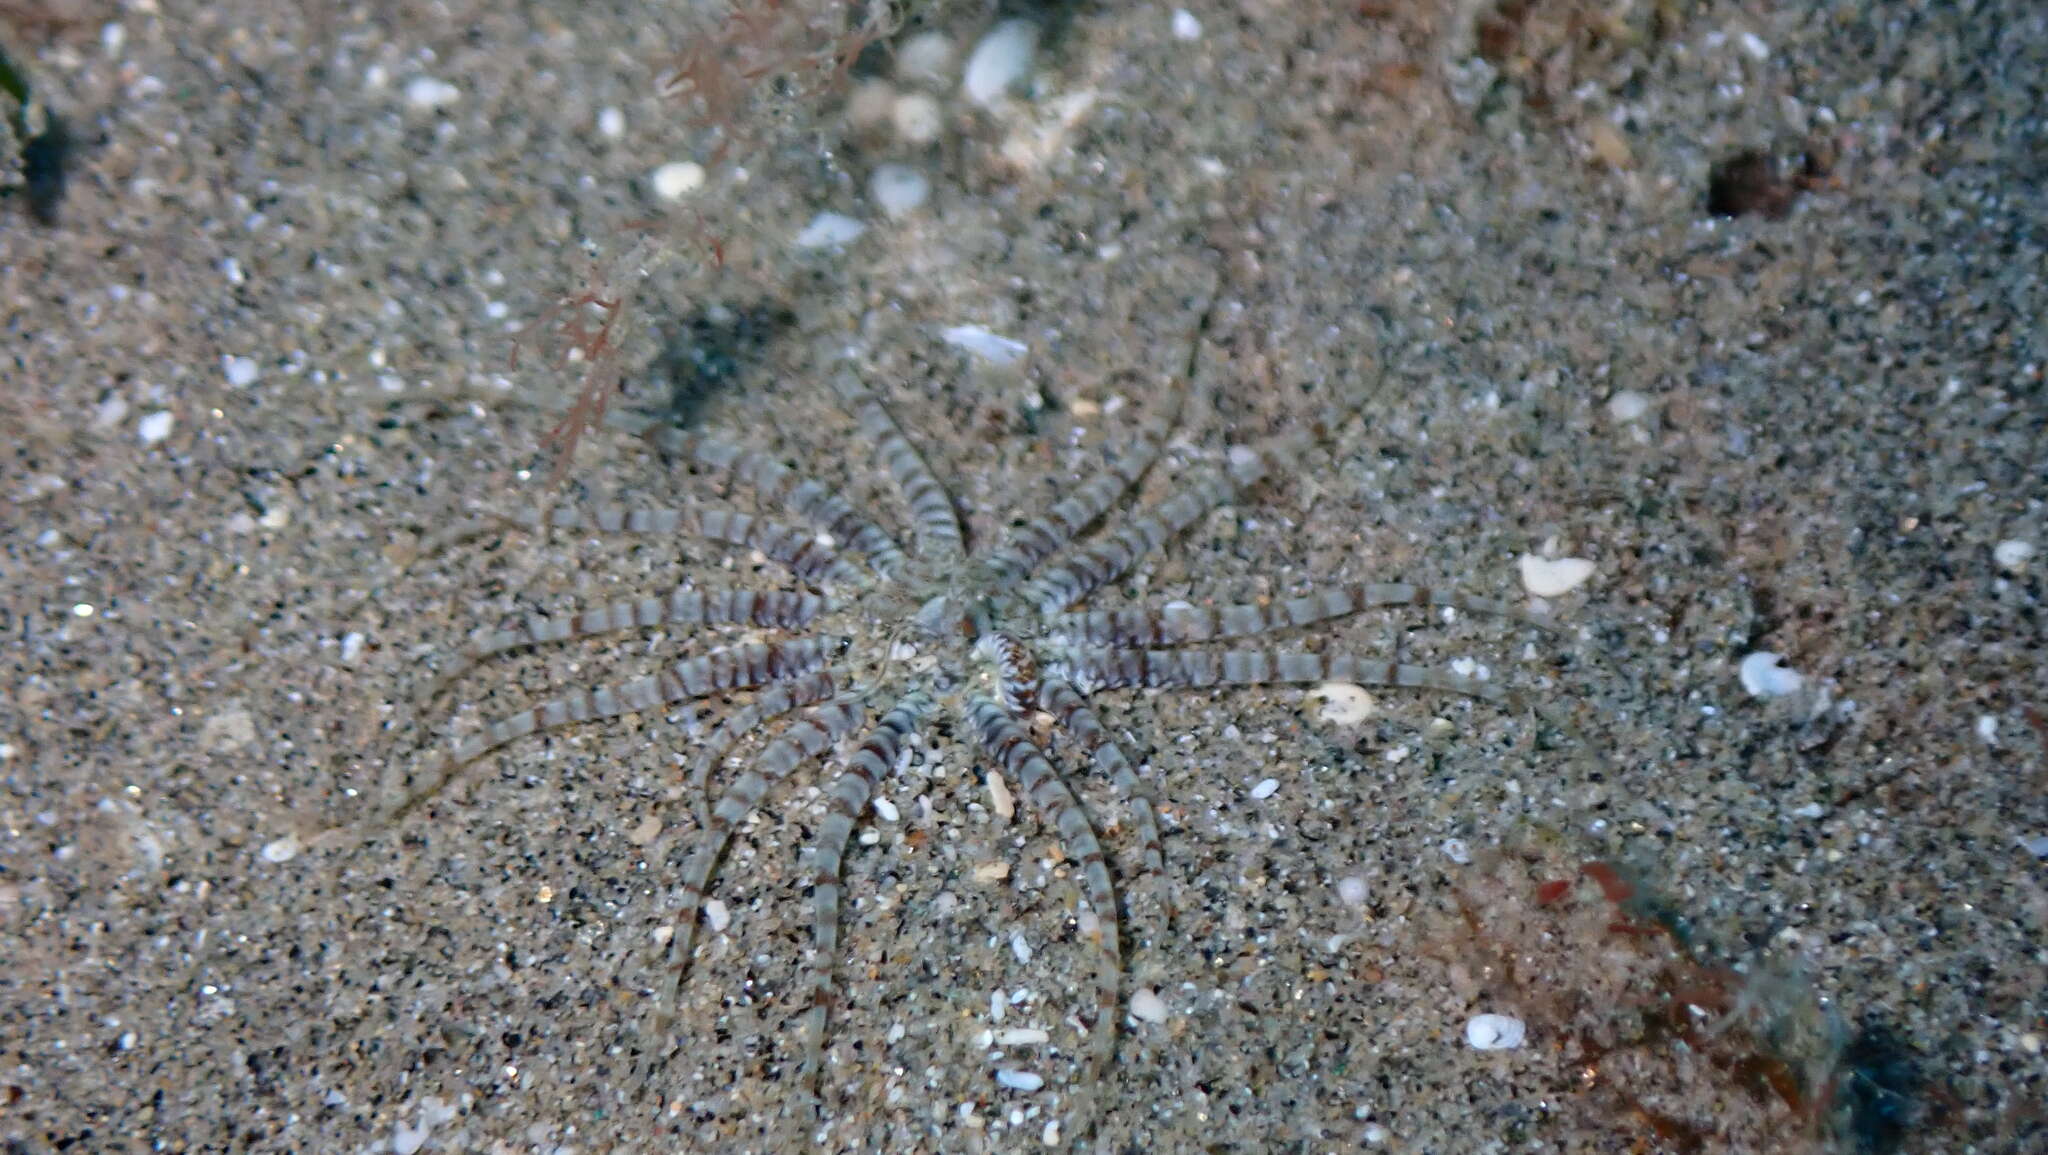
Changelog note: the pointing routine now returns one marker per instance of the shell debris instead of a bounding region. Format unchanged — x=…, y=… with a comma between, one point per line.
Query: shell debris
x=1495, y=1032
x=1549, y=577
x=1343, y=703
x=1765, y=675
x=999, y=797
x=1147, y=1006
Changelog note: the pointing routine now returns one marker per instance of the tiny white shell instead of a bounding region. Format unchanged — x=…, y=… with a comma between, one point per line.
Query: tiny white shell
x=1495, y=1032
x=1017, y=1080
x=999, y=60
x=1765, y=675
x=1343, y=704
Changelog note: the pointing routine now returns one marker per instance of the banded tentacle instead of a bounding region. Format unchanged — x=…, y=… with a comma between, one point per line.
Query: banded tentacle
x=736, y=668
x=804, y=739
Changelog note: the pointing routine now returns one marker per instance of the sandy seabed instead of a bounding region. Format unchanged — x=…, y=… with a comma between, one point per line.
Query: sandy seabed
x=266, y=356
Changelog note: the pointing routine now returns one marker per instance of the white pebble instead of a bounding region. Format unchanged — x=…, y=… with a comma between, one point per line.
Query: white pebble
x=899, y=189
x=1755, y=46
x=924, y=58
x=829, y=231
x=991, y=347
x=677, y=179
x=1351, y=889
x=155, y=427
x=1765, y=675
x=917, y=118
x=240, y=370
x=1549, y=577
x=1628, y=405
x=1987, y=728
x=427, y=93
x=1019, y=948
x=1020, y=1037
x=1185, y=26
x=999, y=60
x=1344, y=704
x=1266, y=788
x=886, y=810
x=1017, y=1080
x=716, y=916
x=1147, y=1006
x=611, y=123
x=2012, y=556
x=282, y=850
x=351, y=646
x=1495, y=1032
x=110, y=412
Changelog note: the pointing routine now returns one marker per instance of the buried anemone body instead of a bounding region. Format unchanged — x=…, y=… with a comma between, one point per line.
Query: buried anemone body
x=888, y=642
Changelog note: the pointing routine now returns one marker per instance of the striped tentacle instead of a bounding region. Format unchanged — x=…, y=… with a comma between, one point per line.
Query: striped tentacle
x=770, y=704
x=1039, y=538
x=1074, y=715
x=937, y=527
x=802, y=740
x=1113, y=555
x=848, y=797
x=774, y=609
x=811, y=560
x=1010, y=743
x=1177, y=625
x=737, y=668
x=1113, y=668
x=777, y=484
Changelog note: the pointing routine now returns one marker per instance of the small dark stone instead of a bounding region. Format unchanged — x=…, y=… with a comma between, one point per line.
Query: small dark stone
x=1749, y=182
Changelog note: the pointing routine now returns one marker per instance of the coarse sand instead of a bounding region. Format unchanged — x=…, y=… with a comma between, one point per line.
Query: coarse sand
x=265, y=359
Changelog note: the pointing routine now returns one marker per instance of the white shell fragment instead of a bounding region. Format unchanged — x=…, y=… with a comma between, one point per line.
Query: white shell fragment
x=1495, y=1032
x=1185, y=26
x=1627, y=405
x=1549, y=577
x=2012, y=555
x=990, y=347
x=1147, y=1006
x=999, y=796
x=240, y=371
x=155, y=427
x=1266, y=788
x=829, y=231
x=1765, y=675
x=1021, y=1037
x=677, y=179
x=716, y=916
x=1343, y=704
x=428, y=93
x=999, y=60
x=282, y=850
x=899, y=189
x=1017, y=1080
